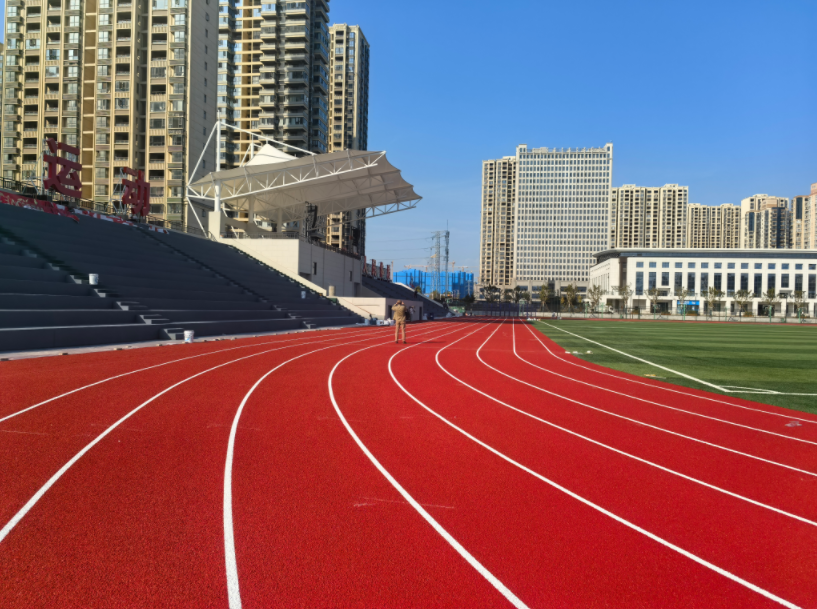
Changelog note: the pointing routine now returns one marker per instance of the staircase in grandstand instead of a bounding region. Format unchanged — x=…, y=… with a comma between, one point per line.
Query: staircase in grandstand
x=153, y=283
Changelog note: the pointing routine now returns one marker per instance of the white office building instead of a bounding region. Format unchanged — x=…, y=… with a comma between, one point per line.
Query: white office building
x=562, y=213
x=671, y=271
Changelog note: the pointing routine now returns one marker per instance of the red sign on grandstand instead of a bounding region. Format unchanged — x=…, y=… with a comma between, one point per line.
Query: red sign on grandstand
x=137, y=192
x=37, y=205
x=62, y=173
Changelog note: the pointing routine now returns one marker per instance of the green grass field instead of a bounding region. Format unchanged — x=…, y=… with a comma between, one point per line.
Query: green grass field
x=774, y=357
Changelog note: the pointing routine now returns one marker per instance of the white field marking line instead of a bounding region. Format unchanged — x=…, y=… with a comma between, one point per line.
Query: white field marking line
x=644, y=361
x=661, y=387
x=675, y=408
x=67, y=393
x=231, y=563
x=600, y=509
x=674, y=433
x=596, y=442
x=51, y=481
x=484, y=572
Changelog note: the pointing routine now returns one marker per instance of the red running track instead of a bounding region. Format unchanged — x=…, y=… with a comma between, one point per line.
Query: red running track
x=477, y=466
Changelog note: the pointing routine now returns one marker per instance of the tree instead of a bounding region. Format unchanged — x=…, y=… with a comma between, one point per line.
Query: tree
x=507, y=295
x=713, y=296
x=468, y=299
x=545, y=294
x=653, y=294
x=491, y=293
x=594, y=294
x=799, y=301
x=518, y=294
x=524, y=296
x=570, y=296
x=742, y=298
x=770, y=299
x=682, y=294
x=625, y=291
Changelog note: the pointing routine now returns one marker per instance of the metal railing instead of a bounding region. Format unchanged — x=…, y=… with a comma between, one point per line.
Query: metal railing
x=33, y=190
x=228, y=234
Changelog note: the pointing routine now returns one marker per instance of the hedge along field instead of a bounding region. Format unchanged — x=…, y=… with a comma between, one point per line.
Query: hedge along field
x=774, y=357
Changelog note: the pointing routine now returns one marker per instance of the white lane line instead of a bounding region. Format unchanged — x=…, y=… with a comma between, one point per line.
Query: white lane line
x=663, y=388
x=675, y=408
x=649, y=363
x=482, y=570
x=600, y=509
x=596, y=442
x=51, y=481
x=231, y=563
x=674, y=433
x=67, y=393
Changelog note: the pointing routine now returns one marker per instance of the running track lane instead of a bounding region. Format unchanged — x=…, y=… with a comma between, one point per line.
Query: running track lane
x=316, y=525
x=724, y=530
x=545, y=546
x=137, y=521
x=37, y=442
x=764, y=441
x=578, y=411
x=29, y=381
x=712, y=404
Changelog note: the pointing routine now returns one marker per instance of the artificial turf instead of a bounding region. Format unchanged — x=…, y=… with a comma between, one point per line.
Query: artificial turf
x=780, y=358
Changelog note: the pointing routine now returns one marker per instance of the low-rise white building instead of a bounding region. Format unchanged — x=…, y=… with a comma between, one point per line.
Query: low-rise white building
x=670, y=271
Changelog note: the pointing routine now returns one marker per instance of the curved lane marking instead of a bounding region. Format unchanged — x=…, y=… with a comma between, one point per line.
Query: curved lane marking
x=598, y=508
x=661, y=387
x=482, y=570
x=231, y=563
x=67, y=393
x=601, y=444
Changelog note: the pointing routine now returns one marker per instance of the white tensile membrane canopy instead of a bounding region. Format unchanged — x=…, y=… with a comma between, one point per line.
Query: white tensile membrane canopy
x=276, y=185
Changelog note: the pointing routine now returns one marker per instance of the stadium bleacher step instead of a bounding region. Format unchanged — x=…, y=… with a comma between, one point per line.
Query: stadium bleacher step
x=130, y=306
x=154, y=319
x=151, y=286
x=172, y=333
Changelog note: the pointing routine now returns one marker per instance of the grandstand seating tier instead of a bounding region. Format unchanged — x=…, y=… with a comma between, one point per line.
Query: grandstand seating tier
x=151, y=286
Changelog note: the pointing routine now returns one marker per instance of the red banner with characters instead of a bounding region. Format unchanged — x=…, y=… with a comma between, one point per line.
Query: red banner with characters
x=35, y=204
x=137, y=192
x=62, y=173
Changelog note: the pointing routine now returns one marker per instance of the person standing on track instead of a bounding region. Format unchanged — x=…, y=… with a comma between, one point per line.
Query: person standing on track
x=398, y=313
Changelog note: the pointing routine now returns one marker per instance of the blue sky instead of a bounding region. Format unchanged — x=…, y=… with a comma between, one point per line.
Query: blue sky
x=718, y=96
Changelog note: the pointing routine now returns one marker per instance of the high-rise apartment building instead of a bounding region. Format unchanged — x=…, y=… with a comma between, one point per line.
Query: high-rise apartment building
x=699, y=225
x=726, y=227
x=2, y=124
x=804, y=220
x=273, y=75
x=131, y=83
x=713, y=227
x=766, y=222
x=348, y=121
x=496, y=255
x=672, y=212
x=634, y=216
x=648, y=216
x=294, y=73
x=349, y=88
x=562, y=213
